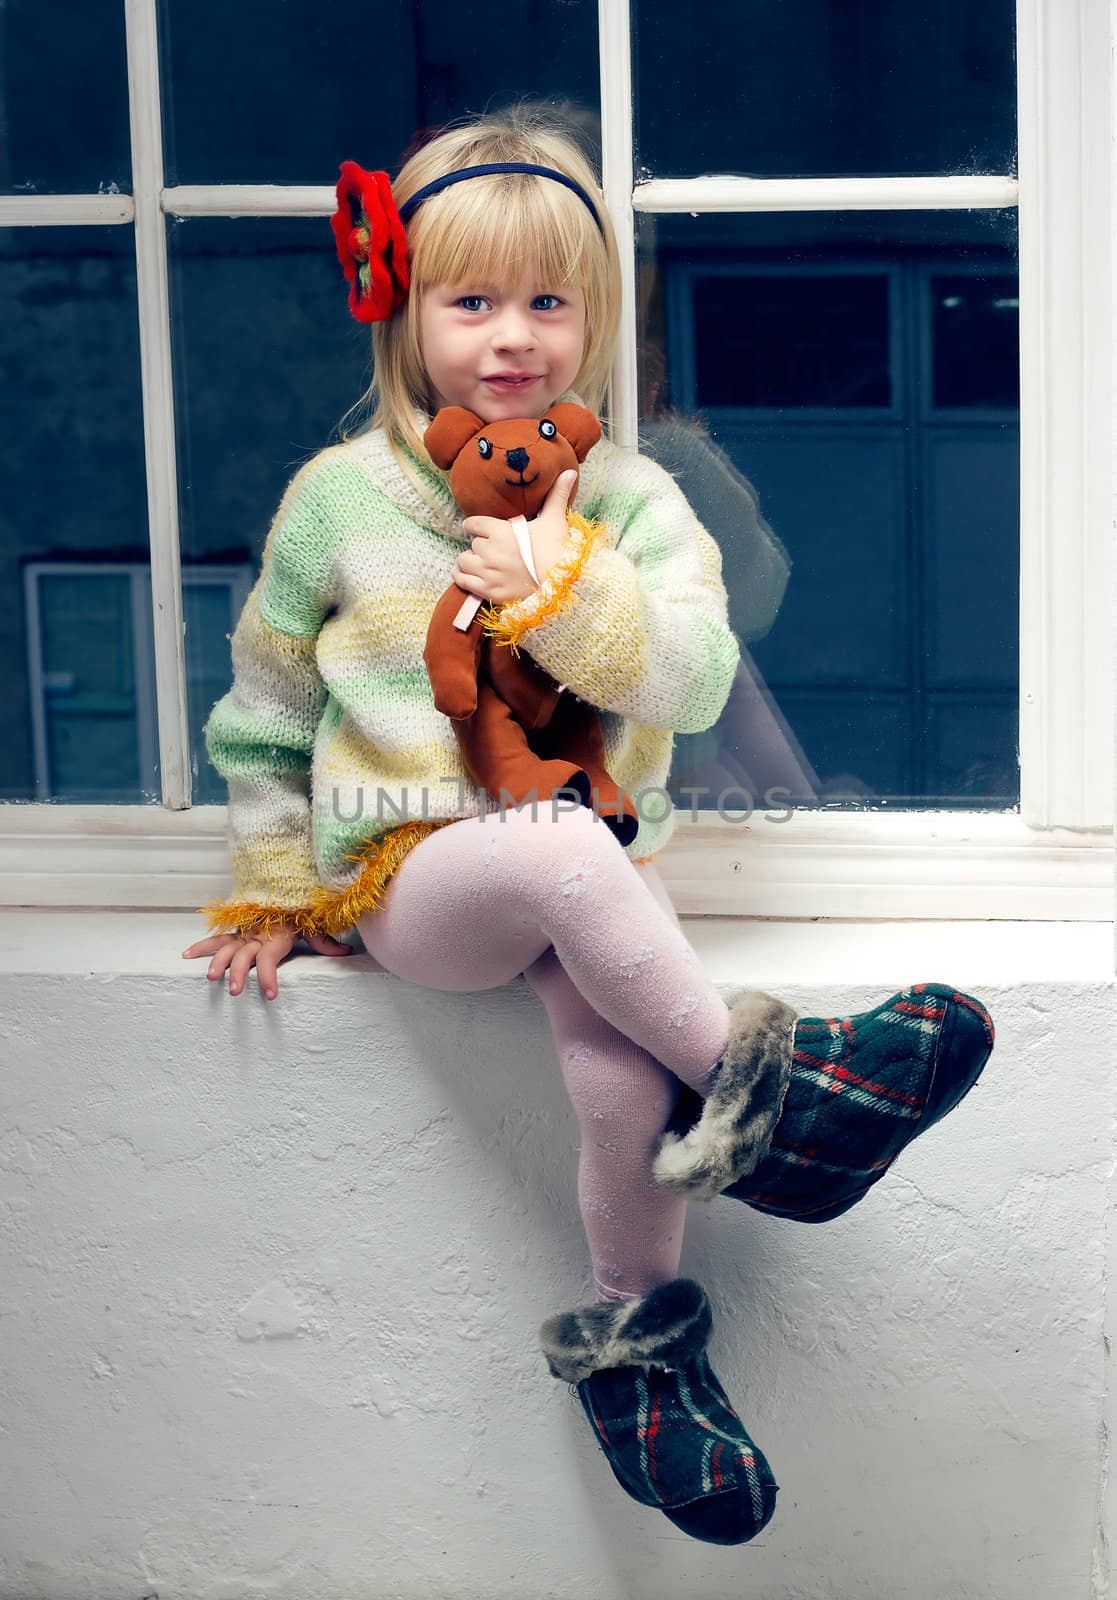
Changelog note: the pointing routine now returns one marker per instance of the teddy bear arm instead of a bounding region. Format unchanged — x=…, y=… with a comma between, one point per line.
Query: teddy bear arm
x=453, y=657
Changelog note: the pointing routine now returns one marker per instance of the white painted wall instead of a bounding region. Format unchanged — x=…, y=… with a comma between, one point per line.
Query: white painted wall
x=272, y=1277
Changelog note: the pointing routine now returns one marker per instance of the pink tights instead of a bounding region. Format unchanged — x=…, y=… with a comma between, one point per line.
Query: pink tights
x=630, y=1009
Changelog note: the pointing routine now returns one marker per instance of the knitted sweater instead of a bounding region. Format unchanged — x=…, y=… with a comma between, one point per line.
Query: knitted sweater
x=336, y=760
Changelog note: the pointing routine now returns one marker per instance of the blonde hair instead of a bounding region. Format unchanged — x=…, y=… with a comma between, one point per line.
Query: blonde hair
x=490, y=228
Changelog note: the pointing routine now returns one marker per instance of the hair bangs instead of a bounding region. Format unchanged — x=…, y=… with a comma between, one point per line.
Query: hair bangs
x=492, y=230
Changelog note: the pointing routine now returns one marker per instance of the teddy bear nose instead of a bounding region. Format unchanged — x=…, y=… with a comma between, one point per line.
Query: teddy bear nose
x=518, y=460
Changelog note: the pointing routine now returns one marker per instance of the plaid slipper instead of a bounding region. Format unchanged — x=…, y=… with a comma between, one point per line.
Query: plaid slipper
x=662, y=1419
x=861, y=1089
x=736, y=1118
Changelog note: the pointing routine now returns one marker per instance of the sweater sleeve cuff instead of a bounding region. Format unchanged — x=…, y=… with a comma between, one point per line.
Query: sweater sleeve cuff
x=248, y=917
x=555, y=594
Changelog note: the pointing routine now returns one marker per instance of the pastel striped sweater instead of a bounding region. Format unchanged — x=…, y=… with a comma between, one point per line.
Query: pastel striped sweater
x=336, y=760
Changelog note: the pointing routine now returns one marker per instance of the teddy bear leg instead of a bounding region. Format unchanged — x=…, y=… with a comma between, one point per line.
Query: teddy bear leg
x=575, y=732
x=615, y=810
x=496, y=752
x=522, y=684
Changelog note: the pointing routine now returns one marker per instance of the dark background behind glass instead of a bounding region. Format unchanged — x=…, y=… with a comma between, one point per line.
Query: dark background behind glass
x=282, y=91
x=72, y=467
x=825, y=88
x=63, y=97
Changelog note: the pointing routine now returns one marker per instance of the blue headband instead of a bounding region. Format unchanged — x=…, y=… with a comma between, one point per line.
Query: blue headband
x=497, y=166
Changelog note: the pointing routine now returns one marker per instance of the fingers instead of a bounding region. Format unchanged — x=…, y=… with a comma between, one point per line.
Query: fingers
x=562, y=488
x=223, y=947
x=482, y=527
x=237, y=956
x=232, y=954
x=267, y=960
x=241, y=965
x=468, y=566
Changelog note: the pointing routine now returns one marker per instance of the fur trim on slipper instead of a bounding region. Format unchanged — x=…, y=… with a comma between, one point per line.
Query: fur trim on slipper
x=665, y=1328
x=743, y=1104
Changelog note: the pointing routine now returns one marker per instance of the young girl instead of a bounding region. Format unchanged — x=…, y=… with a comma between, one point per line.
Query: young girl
x=495, y=287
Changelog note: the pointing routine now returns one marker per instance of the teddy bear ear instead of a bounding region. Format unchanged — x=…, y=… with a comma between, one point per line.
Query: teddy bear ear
x=578, y=425
x=449, y=432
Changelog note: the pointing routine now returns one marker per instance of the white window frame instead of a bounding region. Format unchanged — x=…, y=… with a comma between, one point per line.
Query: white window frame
x=1051, y=859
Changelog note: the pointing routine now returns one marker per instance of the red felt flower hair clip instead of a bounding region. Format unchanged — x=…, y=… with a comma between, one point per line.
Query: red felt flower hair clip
x=371, y=243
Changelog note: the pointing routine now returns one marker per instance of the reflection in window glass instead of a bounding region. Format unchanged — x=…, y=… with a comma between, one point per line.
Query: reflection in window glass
x=862, y=487
x=284, y=93
x=64, y=97
x=77, y=722
x=818, y=89
x=267, y=361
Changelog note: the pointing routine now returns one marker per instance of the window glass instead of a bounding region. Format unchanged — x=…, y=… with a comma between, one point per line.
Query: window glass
x=772, y=339
x=283, y=91
x=838, y=396
x=974, y=339
x=825, y=88
x=77, y=722
x=63, y=98
x=267, y=361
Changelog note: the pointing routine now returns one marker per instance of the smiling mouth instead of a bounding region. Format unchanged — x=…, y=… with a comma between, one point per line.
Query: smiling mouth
x=521, y=483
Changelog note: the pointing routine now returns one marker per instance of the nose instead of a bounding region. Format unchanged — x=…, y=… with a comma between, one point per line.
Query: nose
x=518, y=460
x=512, y=330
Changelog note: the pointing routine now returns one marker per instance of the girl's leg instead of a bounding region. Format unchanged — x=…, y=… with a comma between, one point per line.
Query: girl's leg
x=477, y=902
x=461, y=918
x=623, y=1098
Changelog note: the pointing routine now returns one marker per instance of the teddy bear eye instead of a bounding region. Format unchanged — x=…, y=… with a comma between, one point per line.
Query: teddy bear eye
x=484, y=449
x=547, y=428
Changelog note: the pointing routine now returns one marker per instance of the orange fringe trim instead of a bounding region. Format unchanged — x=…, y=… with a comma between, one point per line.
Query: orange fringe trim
x=338, y=909
x=556, y=593
x=330, y=910
x=247, y=916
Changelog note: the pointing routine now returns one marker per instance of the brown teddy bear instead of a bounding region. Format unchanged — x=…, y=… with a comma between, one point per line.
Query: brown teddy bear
x=521, y=735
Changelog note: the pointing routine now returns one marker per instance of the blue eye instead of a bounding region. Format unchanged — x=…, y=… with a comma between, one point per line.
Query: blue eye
x=484, y=449
x=471, y=302
x=552, y=297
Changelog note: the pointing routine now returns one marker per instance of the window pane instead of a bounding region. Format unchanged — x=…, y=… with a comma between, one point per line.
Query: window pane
x=284, y=92
x=818, y=88
x=975, y=339
x=838, y=395
x=797, y=340
x=267, y=361
x=78, y=721
x=64, y=97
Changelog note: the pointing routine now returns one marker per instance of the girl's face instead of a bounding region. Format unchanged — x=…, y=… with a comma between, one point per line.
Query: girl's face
x=501, y=350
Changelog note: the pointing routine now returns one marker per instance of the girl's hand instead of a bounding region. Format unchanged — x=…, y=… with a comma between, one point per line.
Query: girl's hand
x=493, y=568
x=237, y=953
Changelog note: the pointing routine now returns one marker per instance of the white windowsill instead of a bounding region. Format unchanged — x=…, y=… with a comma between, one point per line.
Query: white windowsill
x=865, y=866
x=768, y=953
